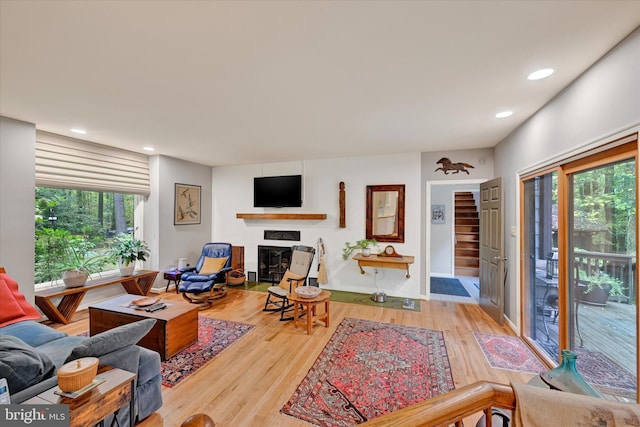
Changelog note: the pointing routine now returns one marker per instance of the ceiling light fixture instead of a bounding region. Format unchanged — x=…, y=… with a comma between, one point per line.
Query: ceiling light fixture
x=540, y=74
x=80, y=131
x=504, y=114
x=148, y=149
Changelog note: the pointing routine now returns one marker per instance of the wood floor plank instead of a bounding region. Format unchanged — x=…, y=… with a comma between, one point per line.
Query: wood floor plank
x=248, y=383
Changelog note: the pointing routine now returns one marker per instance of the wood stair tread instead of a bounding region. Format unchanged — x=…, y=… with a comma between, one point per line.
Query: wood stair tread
x=467, y=232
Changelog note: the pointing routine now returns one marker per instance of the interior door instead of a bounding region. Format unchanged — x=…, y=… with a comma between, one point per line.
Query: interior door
x=492, y=273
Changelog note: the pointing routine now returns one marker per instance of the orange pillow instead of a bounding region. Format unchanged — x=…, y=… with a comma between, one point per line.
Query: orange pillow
x=13, y=305
x=9, y=307
x=285, y=283
x=212, y=265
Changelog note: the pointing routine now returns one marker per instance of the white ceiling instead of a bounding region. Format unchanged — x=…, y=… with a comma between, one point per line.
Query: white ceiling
x=231, y=82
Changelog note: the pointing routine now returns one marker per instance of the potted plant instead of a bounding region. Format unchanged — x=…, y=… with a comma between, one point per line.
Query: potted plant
x=599, y=287
x=80, y=262
x=127, y=250
x=364, y=244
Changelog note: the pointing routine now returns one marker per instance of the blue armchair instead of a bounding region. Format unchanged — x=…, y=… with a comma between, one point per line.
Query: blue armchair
x=207, y=280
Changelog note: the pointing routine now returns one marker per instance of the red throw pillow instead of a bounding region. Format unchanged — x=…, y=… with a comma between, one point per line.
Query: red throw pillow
x=13, y=305
x=9, y=307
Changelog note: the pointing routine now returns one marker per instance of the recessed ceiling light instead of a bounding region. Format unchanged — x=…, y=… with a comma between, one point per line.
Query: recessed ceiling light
x=148, y=148
x=80, y=131
x=540, y=74
x=504, y=114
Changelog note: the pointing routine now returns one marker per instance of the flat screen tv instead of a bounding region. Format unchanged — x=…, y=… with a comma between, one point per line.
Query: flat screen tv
x=277, y=191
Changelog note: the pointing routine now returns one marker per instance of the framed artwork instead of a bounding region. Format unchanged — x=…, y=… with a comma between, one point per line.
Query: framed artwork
x=187, y=204
x=437, y=214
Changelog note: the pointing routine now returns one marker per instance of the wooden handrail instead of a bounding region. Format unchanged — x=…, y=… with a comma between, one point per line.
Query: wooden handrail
x=452, y=407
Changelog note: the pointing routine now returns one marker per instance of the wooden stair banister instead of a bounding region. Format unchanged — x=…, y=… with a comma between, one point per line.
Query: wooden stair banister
x=452, y=407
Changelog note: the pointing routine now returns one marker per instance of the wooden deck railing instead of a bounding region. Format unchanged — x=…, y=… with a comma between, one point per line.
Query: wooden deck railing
x=452, y=407
x=621, y=267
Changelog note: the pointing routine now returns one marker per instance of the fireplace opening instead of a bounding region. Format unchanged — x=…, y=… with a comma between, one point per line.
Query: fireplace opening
x=273, y=261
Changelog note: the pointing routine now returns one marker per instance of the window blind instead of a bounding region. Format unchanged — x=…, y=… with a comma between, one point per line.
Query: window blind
x=63, y=162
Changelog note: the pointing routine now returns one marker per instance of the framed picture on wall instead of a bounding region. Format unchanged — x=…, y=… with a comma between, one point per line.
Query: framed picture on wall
x=187, y=204
x=437, y=214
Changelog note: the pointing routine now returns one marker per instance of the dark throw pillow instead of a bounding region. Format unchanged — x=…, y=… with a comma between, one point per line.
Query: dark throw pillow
x=112, y=340
x=23, y=365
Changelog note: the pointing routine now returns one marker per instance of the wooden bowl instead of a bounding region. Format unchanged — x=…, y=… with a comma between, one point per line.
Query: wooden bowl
x=77, y=374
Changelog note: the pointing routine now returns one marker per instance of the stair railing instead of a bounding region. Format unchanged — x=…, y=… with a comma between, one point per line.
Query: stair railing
x=451, y=408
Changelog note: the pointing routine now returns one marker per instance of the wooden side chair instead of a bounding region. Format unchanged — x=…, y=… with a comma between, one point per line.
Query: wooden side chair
x=296, y=275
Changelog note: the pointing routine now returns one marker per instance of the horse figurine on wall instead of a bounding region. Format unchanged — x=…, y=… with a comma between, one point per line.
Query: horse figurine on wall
x=448, y=165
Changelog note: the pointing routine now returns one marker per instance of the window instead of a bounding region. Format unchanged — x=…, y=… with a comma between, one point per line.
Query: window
x=76, y=227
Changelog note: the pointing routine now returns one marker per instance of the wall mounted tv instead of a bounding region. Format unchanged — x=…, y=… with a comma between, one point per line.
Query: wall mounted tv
x=277, y=191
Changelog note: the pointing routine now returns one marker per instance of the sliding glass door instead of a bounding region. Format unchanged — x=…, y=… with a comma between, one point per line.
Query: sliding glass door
x=602, y=278
x=579, y=281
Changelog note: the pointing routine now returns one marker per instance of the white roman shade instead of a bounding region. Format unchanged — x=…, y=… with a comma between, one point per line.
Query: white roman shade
x=64, y=162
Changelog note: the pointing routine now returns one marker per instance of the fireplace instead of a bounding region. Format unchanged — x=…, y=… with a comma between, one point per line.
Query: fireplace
x=273, y=261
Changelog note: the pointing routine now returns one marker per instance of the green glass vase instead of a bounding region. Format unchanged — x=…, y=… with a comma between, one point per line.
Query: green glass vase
x=566, y=377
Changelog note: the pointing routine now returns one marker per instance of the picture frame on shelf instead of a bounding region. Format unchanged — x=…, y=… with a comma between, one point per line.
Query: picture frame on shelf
x=187, y=204
x=437, y=214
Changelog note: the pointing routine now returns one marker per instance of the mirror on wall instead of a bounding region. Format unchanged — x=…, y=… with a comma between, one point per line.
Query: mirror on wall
x=385, y=213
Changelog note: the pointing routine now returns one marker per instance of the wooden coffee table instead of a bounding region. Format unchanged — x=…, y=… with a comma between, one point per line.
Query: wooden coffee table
x=176, y=327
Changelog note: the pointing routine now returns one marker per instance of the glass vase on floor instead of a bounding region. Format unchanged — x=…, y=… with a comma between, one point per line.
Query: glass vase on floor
x=566, y=377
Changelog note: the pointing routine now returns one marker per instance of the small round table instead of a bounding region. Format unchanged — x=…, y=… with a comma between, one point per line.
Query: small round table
x=309, y=308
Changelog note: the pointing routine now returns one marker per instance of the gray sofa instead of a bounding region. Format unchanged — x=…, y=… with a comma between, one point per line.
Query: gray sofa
x=30, y=354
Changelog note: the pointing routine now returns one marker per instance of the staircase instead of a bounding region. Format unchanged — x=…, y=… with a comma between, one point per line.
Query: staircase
x=467, y=228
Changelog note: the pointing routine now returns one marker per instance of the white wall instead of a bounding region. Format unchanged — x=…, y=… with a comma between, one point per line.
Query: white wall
x=233, y=193
x=167, y=241
x=17, y=189
x=435, y=237
x=604, y=101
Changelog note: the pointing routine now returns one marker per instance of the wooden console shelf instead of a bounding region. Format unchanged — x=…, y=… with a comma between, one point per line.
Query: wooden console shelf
x=304, y=216
x=384, y=262
x=139, y=283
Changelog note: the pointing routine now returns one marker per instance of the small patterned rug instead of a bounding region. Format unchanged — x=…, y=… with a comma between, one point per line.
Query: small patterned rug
x=213, y=336
x=368, y=369
x=508, y=352
x=448, y=286
x=605, y=375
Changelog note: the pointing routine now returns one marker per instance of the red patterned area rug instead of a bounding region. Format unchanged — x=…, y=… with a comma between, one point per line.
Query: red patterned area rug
x=213, y=336
x=368, y=369
x=605, y=375
x=508, y=352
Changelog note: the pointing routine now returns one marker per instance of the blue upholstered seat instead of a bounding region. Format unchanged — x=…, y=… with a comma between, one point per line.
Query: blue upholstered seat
x=201, y=287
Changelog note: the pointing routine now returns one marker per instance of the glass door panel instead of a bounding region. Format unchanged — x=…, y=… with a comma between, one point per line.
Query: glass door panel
x=540, y=228
x=602, y=275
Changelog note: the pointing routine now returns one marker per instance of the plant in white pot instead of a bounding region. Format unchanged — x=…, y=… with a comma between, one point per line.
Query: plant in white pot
x=127, y=250
x=80, y=263
x=364, y=244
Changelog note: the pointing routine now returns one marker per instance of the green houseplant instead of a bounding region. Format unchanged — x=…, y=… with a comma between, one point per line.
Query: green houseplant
x=127, y=250
x=363, y=244
x=599, y=287
x=80, y=262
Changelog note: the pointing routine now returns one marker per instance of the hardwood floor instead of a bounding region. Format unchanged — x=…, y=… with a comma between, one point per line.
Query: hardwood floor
x=248, y=383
